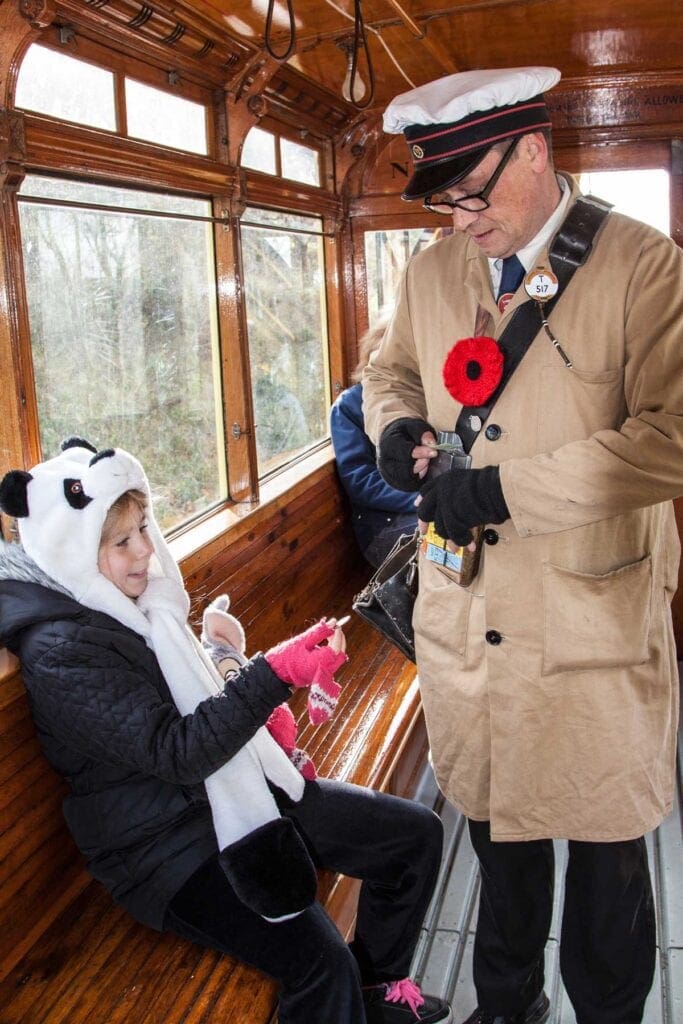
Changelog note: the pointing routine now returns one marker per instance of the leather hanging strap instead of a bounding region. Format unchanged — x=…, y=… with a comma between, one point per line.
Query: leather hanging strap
x=570, y=248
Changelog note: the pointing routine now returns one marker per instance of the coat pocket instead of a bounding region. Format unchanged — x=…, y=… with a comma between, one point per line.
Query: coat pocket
x=442, y=609
x=596, y=621
x=577, y=403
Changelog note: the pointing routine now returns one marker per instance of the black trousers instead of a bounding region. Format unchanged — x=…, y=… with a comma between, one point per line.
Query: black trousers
x=608, y=938
x=393, y=845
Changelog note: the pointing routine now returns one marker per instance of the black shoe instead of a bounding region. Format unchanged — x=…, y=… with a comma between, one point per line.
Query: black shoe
x=401, y=1002
x=536, y=1013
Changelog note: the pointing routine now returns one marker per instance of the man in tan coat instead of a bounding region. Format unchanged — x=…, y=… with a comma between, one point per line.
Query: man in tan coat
x=549, y=683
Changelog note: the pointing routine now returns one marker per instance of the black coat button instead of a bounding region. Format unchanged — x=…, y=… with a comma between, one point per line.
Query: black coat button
x=493, y=432
x=491, y=536
x=493, y=637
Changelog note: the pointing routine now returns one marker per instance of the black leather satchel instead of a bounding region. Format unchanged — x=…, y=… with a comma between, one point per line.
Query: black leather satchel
x=386, y=602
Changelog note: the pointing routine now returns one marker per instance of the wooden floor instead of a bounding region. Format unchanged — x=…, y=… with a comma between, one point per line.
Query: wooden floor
x=443, y=960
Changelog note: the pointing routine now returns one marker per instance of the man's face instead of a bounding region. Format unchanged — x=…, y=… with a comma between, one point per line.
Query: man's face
x=518, y=205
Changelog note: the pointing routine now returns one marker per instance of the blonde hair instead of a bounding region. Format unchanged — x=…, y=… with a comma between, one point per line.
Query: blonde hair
x=129, y=499
x=369, y=343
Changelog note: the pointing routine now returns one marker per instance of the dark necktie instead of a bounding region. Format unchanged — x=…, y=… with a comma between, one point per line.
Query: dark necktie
x=512, y=275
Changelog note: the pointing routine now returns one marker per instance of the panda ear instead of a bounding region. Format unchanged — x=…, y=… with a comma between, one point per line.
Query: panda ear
x=13, y=496
x=76, y=442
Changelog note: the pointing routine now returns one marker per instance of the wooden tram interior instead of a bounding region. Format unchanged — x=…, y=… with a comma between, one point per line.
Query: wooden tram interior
x=281, y=545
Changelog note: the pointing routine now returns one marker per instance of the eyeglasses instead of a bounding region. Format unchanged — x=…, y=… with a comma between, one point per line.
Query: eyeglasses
x=478, y=200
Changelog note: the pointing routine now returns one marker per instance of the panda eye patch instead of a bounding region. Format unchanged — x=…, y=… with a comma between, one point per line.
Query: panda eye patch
x=75, y=495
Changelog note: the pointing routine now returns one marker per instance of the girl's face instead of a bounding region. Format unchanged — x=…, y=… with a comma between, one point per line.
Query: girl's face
x=124, y=557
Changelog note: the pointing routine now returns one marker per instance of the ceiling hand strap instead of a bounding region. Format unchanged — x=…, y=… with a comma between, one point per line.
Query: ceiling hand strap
x=359, y=39
x=269, y=30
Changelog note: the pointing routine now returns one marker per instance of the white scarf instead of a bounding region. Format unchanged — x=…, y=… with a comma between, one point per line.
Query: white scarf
x=238, y=794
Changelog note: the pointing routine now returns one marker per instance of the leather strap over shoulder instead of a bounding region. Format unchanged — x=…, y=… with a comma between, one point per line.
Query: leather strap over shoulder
x=570, y=248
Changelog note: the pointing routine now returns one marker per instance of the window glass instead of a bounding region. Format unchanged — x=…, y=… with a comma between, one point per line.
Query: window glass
x=285, y=301
x=282, y=219
x=53, y=83
x=300, y=163
x=258, y=151
x=157, y=116
x=640, y=194
x=124, y=335
x=386, y=254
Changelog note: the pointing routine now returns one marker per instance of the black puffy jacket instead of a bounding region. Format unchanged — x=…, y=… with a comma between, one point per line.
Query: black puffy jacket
x=138, y=808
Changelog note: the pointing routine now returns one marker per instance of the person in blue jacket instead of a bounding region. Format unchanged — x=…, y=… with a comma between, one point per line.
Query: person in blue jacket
x=380, y=513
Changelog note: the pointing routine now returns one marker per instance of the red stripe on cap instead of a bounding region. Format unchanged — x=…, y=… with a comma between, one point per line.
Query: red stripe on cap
x=479, y=120
x=483, y=142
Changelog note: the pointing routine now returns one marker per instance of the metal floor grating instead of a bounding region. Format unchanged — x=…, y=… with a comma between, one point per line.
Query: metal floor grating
x=443, y=959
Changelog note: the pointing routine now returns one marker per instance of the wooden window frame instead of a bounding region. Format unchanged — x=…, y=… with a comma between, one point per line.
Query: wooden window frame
x=303, y=137
x=65, y=149
x=89, y=52
x=416, y=219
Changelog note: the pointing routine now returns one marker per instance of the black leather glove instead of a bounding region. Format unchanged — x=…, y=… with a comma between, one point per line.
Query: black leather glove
x=459, y=499
x=394, y=459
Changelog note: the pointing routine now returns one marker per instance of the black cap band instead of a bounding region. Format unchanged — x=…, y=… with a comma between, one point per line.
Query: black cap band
x=444, y=153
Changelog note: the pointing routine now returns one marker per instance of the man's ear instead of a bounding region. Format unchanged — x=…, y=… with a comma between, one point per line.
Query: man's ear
x=13, y=493
x=537, y=150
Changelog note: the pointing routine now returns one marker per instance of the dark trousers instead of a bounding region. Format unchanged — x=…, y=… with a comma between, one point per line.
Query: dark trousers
x=607, y=945
x=393, y=845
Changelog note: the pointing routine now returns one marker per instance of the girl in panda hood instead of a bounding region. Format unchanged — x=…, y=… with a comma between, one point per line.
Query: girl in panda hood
x=182, y=803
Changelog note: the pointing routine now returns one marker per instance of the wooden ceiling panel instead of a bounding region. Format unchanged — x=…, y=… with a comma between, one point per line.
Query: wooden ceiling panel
x=410, y=41
x=426, y=39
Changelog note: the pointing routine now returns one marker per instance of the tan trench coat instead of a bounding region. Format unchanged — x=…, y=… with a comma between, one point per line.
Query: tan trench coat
x=567, y=728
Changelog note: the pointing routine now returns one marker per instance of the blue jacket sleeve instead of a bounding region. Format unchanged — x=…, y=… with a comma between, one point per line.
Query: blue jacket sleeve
x=356, y=458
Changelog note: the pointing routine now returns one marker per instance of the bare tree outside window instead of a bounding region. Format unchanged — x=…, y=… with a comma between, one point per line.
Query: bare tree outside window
x=123, y=333
x=286, y=316
x=386, y=254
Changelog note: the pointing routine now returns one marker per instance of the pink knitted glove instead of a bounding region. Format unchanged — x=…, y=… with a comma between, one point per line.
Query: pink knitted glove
x=282, y=727
x=300, y=661
x=303, y=661
x=322, y=697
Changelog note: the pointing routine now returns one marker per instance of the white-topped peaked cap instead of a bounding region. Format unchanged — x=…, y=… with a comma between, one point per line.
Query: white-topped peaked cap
x=451, y=123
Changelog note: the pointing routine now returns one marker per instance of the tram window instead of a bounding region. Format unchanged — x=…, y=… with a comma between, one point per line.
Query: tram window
x=284, y=284
x=158, y=116
x=300, y=163
x=274, y=154
x=640, y=194
x=64, y=87
x=258, y=151
x=123, y=331
x=386, y=254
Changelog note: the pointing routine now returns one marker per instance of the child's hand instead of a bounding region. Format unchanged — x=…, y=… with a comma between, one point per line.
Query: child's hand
x=282, y=727
x=298, y=660
x=305, y=661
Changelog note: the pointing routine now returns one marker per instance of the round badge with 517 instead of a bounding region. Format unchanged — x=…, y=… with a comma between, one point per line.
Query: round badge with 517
x=541, y=284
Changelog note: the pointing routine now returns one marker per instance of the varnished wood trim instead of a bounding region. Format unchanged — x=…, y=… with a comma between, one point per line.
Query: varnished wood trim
x=199, y=543
x=61, y=148
x=269, y=190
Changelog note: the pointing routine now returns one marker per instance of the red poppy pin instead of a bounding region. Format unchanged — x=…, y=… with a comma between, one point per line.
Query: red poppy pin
x=473, y=370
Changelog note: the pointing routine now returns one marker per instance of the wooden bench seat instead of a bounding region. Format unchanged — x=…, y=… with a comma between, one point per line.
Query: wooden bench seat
x=68, y=953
